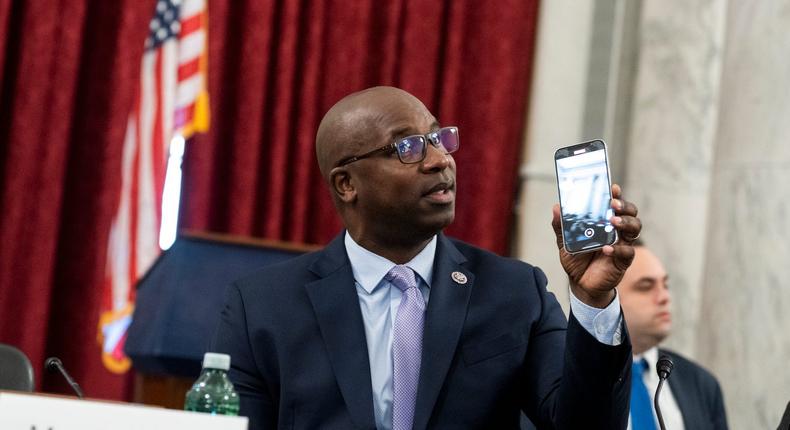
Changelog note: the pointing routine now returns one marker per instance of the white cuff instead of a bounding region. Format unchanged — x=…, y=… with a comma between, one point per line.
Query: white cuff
x=605, y=324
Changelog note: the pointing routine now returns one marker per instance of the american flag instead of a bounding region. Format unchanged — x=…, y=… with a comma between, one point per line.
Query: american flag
x=171, y=100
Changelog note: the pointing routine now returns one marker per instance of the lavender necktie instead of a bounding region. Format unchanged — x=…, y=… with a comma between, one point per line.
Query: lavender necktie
x=406, y=347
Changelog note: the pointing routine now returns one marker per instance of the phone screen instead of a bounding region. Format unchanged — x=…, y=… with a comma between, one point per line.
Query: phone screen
x=585, y=196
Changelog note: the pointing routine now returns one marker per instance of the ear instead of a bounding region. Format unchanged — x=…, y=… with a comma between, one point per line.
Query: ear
x=341, y=184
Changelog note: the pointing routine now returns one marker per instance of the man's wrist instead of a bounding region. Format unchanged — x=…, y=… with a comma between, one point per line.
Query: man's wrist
x=596, y=299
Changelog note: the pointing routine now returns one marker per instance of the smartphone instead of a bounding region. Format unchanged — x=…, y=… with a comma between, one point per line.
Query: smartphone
x=585, y=196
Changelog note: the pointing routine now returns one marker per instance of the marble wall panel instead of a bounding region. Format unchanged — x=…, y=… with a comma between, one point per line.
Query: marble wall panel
x=670, y=150
x=745, y=337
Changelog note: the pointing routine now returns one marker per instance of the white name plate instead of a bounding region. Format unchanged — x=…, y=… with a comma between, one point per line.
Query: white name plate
x=43, y=412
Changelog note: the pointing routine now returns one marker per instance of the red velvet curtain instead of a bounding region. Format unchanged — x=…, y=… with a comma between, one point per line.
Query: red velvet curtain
x=277, y=67
x=68, y=70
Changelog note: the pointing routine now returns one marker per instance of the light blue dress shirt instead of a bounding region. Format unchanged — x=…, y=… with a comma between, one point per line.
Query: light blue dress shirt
x=379, y=301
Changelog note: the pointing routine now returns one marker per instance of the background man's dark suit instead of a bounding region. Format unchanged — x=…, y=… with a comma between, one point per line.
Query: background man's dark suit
x=491, y=346
x=697, y=394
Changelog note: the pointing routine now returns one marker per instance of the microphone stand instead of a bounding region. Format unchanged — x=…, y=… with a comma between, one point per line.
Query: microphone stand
x=54, y=364
x=664, y=368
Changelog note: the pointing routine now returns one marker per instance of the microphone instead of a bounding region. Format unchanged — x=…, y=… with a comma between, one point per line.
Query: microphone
x=664, y=368
x=53, y=364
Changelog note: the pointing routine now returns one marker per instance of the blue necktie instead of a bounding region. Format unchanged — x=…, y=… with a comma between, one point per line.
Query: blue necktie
x=641, y=408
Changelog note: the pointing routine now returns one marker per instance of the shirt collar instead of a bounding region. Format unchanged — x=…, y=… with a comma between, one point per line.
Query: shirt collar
x=369, y=268
x=650, y=356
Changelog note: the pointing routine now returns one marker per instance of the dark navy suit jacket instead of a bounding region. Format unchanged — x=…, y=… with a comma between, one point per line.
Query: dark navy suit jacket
x=697, y=394
x=492, y=347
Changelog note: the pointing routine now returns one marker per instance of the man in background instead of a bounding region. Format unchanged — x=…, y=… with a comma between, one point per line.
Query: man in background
x=693, y=399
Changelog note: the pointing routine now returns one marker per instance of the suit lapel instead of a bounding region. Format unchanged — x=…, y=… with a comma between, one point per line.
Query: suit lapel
x=336, y=307
x=444, y=320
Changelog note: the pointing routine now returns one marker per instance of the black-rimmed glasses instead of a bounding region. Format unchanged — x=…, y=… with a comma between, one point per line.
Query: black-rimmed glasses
x=412, y=149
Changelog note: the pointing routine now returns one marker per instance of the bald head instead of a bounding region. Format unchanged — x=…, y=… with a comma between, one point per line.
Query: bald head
x=358, y=120
x=388, y=207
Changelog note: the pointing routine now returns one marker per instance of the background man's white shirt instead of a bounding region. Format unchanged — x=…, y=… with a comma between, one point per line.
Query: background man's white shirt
x=673, y=418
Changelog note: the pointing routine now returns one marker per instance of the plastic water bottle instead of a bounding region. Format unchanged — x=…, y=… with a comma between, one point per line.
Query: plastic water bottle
x=213, y=392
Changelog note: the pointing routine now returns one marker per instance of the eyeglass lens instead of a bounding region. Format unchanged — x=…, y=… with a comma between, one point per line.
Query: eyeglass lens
x=412, y=149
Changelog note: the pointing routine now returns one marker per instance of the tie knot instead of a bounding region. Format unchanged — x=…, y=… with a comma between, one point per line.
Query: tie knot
x=639, y=367
x=402, y=277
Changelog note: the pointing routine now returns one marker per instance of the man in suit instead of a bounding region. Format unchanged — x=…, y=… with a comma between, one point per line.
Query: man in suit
x=395, y=326
x=692, y=399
